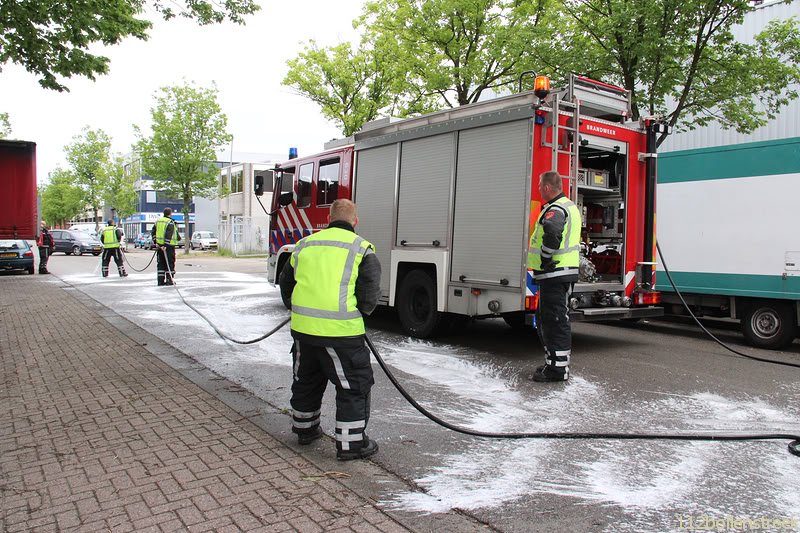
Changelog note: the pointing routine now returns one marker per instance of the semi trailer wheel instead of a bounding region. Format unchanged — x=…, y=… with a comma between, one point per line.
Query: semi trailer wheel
x=769, y=325
x=416, y=305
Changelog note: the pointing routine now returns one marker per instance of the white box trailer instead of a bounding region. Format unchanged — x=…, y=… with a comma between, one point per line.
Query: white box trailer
x=729, y=228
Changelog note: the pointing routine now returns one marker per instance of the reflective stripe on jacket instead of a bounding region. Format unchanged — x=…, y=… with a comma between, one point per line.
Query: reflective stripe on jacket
x=325, y=269
x=161, y=229
x=110, y=237
x=566, y=259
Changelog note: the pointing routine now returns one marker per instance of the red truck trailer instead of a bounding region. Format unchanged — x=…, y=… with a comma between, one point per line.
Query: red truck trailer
x=18, y=201
x=450, y=199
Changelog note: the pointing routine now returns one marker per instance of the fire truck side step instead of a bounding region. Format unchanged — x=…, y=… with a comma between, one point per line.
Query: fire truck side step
x=604, y=311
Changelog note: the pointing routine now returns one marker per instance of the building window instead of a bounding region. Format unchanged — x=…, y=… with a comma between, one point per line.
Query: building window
x=328, y=182
x=304, y=185
x=150, y=197
x=237, y=181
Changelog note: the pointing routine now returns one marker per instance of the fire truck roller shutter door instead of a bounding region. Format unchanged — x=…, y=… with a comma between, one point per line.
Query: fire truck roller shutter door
x=426, y=171
x=492, y=193
x=376, y=173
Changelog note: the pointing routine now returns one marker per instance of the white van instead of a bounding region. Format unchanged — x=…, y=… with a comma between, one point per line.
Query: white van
x=88, y=227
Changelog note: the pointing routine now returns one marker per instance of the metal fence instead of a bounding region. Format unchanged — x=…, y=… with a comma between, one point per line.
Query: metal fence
x=242, y=236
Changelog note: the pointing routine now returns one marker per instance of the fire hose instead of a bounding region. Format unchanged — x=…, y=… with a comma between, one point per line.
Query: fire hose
x=794, y=445
x=125, y=256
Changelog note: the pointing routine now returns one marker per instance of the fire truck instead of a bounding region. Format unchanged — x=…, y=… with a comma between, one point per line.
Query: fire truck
x=450, y=199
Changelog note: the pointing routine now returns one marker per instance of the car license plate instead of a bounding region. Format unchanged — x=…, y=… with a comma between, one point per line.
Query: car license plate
x=8, y=254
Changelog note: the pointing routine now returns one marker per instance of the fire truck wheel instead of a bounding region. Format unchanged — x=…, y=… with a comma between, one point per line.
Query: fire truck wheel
x=515, y=320
x=769, y=324
x=416, y=305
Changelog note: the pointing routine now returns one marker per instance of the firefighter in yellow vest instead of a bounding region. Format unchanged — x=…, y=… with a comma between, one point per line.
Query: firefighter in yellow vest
x=166, y=236
x=111, y=237
x=332, y=279
x=554, y=257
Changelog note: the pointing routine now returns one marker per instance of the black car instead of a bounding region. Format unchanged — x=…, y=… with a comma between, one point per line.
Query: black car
x=16, y=255
x=75, y=242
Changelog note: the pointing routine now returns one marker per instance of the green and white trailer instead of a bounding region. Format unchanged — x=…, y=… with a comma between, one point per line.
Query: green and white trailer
x=729, y=228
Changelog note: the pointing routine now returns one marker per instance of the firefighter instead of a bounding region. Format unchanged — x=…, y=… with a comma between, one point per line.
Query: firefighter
x=166, y=237
x=111, y=237
x=46, y=246
x=554, y=257
x=332, y=279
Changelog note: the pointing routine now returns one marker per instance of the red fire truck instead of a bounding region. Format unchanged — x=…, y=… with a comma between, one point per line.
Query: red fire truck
x=450, y=199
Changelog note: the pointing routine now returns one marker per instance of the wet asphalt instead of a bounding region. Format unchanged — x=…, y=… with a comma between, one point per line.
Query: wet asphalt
x=655, y=376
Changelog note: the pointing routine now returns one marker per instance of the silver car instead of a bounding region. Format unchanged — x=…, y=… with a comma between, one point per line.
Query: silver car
x=205, y=240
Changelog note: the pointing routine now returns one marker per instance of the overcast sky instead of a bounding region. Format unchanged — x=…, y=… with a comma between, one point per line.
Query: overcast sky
x=246, y=62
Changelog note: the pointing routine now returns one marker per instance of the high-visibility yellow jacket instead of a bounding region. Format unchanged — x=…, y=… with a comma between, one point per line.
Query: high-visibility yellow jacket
x=110, y=239
x=325, y=268
x=560, y=217
x=163, y=236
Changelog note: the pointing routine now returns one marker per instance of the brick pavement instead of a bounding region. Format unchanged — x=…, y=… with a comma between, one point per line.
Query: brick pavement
x=97, y=434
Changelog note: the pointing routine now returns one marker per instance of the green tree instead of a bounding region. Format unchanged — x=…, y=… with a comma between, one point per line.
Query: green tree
x=452, y=51
x=89, y=161
x=62, y=199
x=188, y=127
x=351, y=87
x=120, y=193
x=680, y=59
x=421, y=55
x=5, y=126
x=52, y=39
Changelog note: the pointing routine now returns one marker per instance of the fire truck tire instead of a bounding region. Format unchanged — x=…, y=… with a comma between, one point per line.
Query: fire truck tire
x=515, y=320
x=281, y=262
x=769, y=324
x=416, y=305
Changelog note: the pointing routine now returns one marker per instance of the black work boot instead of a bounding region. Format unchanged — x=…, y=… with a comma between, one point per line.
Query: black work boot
x=307, y=436
x=548, y=373
x=366, y=448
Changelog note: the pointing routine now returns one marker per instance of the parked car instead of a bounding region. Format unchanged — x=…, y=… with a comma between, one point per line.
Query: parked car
x=76, y=242
x=16, y=255
x=204, y=240
x=145, y=241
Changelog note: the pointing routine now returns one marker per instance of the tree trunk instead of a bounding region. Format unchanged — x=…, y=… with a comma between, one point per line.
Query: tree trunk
x=187, y=237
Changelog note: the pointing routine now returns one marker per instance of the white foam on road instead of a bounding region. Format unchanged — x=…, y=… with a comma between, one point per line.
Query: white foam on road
x=242, y=306
x=643, y=479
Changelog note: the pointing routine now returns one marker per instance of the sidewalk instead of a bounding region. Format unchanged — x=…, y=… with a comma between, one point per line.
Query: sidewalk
x=98, y=434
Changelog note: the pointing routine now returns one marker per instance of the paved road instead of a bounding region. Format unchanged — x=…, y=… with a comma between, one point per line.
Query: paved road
x=658, y=376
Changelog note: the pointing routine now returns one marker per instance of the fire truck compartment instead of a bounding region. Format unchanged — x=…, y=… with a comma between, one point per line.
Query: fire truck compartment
x=376, y=171
x=601, y=200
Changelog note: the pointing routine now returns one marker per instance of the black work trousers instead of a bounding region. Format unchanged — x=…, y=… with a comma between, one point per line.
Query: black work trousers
x=165, y=261
x=44, y=255
x=553, y=324
x=116, y=253
x=350, y=371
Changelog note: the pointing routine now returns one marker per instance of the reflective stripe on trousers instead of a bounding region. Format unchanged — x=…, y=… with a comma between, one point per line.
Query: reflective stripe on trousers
x=554, y=327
